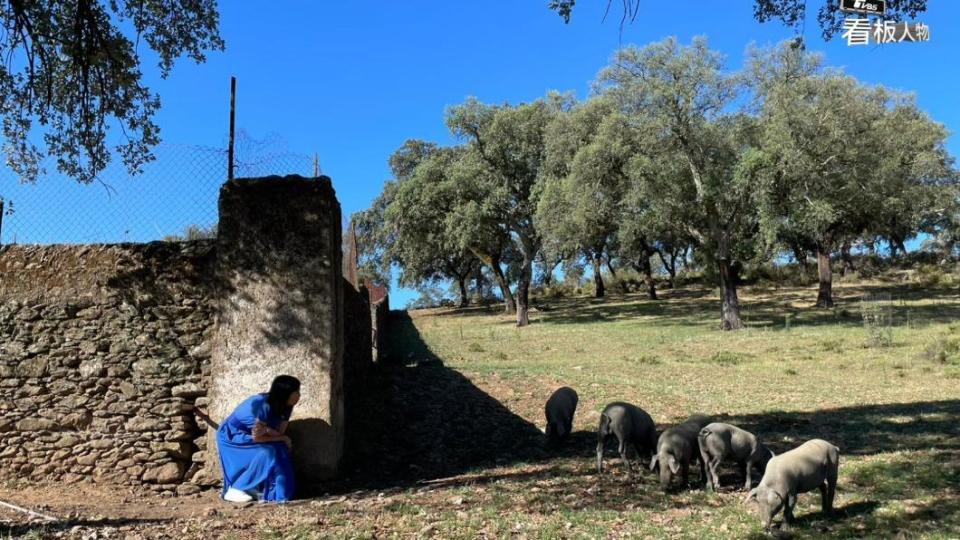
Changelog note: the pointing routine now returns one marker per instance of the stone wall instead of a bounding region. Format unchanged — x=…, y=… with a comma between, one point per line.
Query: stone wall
x=281, y=309
x=102, y=361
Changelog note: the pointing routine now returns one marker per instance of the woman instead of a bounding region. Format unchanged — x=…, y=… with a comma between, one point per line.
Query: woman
x=254, y=452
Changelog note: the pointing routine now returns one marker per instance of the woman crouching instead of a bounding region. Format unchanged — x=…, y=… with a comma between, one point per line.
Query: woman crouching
x=254, y=452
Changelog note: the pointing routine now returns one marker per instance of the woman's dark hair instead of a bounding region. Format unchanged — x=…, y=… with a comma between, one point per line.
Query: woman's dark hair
x=280, y=391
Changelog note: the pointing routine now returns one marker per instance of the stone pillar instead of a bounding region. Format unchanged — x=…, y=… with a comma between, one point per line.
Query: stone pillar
x=280, y=309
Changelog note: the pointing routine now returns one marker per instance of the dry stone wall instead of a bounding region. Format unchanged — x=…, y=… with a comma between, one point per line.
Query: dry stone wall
x=108, y=352
x=103, y=359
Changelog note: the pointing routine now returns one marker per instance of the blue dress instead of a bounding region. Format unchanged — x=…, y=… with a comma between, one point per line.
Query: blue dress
x=250, y=466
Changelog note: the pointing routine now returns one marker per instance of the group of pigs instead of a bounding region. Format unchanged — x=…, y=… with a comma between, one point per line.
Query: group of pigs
x=811, y=465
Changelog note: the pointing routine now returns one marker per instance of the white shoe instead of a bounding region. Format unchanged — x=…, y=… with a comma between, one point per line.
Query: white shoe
x=237, y=496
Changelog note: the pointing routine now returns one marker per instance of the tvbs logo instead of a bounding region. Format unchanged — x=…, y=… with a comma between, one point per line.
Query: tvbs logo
x=865, y=5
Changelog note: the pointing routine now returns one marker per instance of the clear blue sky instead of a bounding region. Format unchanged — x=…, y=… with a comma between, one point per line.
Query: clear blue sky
x=352, y=80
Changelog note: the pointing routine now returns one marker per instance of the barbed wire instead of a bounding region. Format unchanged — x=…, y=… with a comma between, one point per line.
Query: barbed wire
x=175, y=197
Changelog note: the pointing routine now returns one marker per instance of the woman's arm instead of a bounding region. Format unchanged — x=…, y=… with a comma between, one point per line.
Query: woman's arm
x=261, y=438
x=262, y=427
x=263, y=433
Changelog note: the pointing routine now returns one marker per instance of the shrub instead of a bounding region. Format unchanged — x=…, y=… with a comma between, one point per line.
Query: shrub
x=943, y=350
x=644, y=359
x=929, y=275
x=726, y=358
x=556, y=290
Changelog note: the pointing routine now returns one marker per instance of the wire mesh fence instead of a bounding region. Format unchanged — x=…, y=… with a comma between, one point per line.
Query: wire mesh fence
x=175, y=196
x=877, y=312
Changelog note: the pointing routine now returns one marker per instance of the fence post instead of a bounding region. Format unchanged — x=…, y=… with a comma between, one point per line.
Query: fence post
x=233, y=98
x=1, y=221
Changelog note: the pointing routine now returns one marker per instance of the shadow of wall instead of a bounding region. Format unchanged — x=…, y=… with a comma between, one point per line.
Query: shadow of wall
x=419, y=420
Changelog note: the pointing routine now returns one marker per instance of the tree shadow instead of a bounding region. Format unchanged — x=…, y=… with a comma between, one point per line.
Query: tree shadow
x=863, y=429
x=692, y=307
x=701, y=307
x=419, y=420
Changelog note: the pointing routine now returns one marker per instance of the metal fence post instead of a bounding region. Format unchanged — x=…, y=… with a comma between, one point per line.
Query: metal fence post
x=233, y=99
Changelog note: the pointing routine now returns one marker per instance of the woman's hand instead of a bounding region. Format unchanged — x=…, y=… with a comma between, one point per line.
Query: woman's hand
x=261, y=429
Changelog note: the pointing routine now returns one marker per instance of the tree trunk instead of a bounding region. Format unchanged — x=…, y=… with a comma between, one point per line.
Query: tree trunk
x=729, y=303
x=509, y=305
x=670, y=267
x=901, y=248
x=610, y=268
x=478, y=278
x=848, y=265
x=646, y=253
x=464, y=295
x=825, y=294
x=548, y=271
x=648, y=275
x=597, y=278
x=523, y=293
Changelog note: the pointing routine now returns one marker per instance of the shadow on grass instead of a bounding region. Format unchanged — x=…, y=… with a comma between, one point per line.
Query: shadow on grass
x=701, y=307
x=421, y=420
x=864, y=429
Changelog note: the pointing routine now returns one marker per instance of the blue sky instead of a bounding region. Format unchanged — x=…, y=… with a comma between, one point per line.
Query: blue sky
x=351, y=81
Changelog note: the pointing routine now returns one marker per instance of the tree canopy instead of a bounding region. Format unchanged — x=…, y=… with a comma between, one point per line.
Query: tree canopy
x=72, y=72
x=672, y=152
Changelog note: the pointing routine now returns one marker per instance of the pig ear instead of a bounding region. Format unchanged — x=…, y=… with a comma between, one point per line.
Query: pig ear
x=752, y=496
x=653, y=462
x=674, y=466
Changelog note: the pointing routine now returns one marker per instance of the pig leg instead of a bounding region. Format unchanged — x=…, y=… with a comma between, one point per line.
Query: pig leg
x=623, y=456
x=715, y=477
x=600, y=456
x=788, y=508
x=685, y=470
x=705, y=458
x=703, y=471
x=824, y=498
x=749, y=481
x=831, y=489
